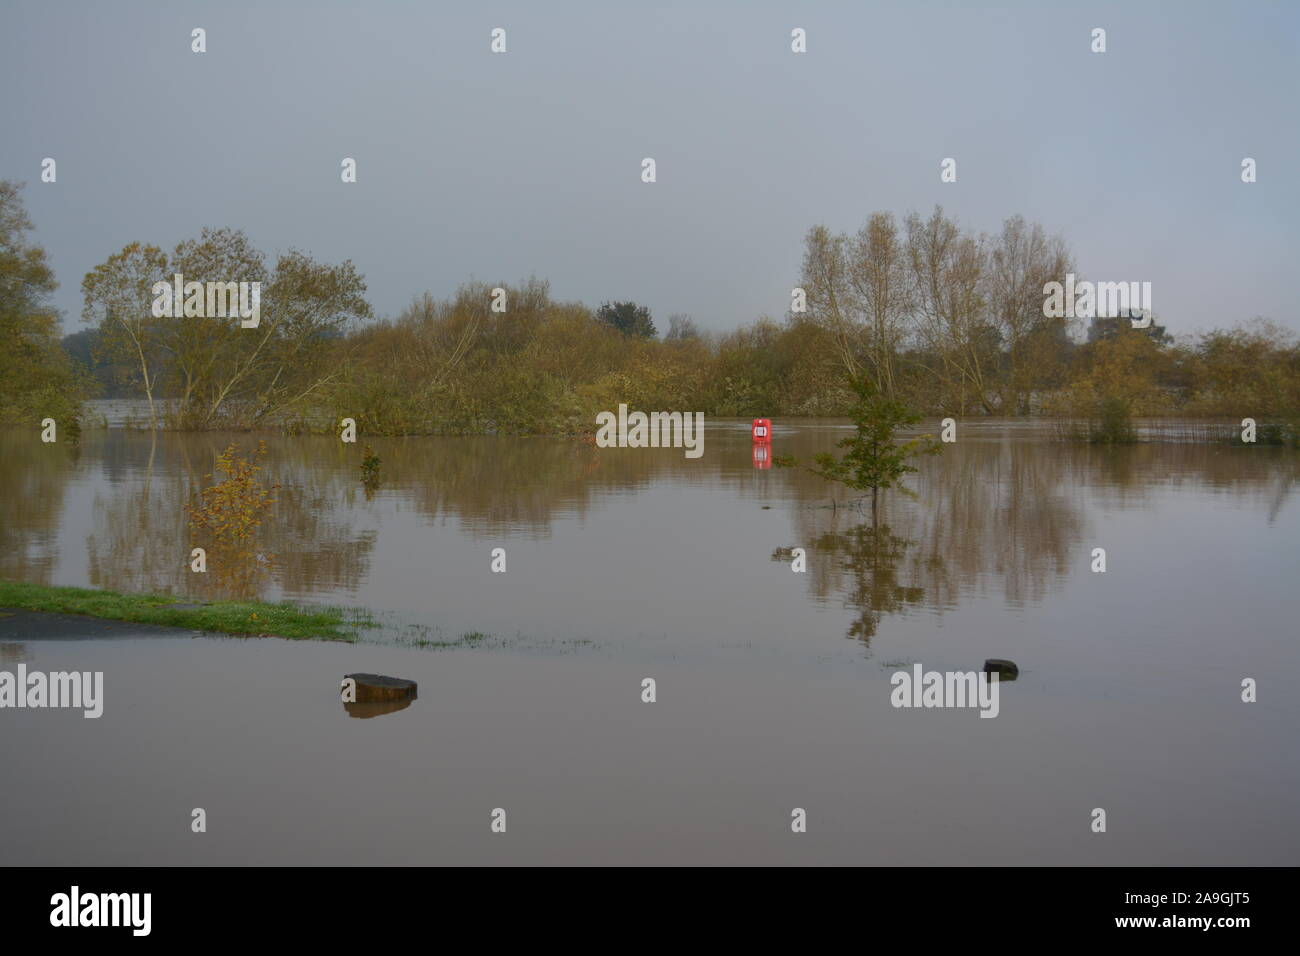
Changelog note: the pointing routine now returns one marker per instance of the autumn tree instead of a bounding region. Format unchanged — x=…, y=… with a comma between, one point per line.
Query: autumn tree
x=36, y=378
x=206, y=352
x=1252, y=368
x=221, y=372
x=1121, y=371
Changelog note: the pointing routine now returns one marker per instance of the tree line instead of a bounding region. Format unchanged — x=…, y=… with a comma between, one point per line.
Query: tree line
x=937, y=317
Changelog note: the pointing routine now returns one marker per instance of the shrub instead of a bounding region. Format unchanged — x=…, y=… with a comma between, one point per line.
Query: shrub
x=1113, y=424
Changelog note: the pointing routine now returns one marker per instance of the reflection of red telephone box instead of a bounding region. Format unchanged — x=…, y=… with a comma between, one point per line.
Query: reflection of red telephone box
x=762, y=456
x=762, y=431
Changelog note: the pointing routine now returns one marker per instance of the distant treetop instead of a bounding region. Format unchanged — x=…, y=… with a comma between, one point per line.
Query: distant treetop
x=629, y=318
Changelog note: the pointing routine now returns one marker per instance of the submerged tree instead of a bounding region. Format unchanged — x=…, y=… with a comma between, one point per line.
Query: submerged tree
x=219, y=371
x=874, y=460
x=119, y=303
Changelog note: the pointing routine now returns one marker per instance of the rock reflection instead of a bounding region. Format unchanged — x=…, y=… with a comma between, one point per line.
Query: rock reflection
x=367, y=709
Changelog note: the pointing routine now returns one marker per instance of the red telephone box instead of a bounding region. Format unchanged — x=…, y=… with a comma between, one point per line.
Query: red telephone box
x=762, y=431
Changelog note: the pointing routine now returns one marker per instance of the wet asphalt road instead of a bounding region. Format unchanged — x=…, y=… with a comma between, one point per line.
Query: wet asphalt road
x=17, y=625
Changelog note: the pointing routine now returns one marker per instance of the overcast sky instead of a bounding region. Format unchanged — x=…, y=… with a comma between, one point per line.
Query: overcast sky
x=497, y=166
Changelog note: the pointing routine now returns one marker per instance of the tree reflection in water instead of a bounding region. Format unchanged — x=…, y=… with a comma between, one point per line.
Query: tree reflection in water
x=868, y=564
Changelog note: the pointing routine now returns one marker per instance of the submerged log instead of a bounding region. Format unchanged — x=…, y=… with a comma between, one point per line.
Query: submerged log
x=377, y=689
x=1006, y=670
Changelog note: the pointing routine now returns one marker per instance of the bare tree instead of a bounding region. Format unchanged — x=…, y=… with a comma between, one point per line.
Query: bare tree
x=880, y=296
x=681, y=328
x=826, y=282
x=947, y=270
x=1022, y=261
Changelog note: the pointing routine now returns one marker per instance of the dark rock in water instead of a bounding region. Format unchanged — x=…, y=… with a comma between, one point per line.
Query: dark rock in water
x=377, y=689
x=1006, y=670
x=376, y=708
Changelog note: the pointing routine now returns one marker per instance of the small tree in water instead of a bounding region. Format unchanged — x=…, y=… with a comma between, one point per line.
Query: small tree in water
x=874, y=461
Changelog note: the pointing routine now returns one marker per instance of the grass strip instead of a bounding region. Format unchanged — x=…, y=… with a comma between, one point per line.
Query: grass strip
x=253, y=618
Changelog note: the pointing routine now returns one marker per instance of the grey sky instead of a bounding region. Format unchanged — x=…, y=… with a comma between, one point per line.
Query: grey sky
x=474, y=165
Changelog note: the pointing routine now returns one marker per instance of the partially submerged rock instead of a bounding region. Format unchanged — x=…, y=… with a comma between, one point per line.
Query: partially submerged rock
x=376, y=708
x=1006, y=670
x=377, y=689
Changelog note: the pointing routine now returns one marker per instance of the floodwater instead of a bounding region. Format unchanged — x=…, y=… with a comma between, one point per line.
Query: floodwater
x=772, y=687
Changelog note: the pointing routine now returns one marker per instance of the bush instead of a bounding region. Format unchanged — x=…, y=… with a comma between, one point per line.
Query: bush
x=1113, y=425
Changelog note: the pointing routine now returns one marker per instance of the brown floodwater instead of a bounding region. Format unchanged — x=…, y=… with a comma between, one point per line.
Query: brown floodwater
x=773, y=687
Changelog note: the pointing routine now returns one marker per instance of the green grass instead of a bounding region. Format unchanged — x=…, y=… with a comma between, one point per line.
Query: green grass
x=228, y=617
